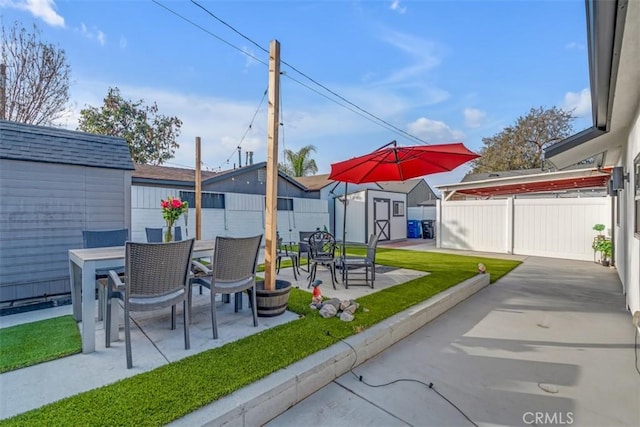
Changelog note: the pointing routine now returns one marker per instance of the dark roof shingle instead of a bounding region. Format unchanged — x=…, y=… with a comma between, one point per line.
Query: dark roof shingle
x=20, y=141
x=165, y=173
x=314, y=182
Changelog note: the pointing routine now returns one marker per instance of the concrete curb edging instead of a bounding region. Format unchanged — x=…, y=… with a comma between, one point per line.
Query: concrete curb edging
x=264, y=400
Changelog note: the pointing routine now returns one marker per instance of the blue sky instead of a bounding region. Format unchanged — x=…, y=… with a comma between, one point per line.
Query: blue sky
x=443, y=71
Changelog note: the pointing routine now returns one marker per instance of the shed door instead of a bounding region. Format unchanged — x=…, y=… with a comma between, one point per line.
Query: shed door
x=381, y=218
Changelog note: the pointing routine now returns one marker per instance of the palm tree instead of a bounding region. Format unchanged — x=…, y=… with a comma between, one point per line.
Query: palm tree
x=299, y=163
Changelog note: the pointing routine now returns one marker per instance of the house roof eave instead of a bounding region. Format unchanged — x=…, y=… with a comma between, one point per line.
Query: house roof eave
x=613, y=46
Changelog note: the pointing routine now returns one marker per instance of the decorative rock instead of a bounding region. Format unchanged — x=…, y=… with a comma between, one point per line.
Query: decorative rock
x=328, y=310
x=335, y=302
x=351, y=308
x=345, y=316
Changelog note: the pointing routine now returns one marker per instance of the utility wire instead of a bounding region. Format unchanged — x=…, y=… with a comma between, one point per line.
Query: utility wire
x=229, y=26
x=362, y=112
x=428, y=385
x=210, y=33
x=311, y=79
x=250, y=127
x=178, y=165
x=366, y=117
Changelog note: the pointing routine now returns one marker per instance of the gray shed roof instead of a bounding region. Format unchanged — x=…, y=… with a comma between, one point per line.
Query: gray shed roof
x=400, y=186
x=163, y=175
x=19, y=141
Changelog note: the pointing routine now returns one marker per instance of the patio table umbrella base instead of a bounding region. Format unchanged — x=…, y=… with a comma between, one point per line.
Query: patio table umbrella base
x=272, y=303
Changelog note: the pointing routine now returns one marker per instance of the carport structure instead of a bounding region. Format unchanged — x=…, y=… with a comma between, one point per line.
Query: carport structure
x=549, y=214
x=545, y=182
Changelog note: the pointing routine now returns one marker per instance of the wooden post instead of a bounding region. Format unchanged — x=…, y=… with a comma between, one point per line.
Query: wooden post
x=271, y=208
x=198, y=192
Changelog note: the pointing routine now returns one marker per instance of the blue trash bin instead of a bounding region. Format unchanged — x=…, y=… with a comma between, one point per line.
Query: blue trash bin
x=413, y=229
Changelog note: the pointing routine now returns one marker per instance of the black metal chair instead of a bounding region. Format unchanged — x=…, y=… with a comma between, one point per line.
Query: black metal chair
x=352, y=265
x=157, y=275
x=303, y=247
x=285, y=250
x=104, y=239
x=322, y=251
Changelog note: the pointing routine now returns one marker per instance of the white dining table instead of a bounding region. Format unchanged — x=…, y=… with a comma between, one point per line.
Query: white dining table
x=83, y=264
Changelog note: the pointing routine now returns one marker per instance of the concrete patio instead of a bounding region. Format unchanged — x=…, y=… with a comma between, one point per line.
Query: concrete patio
x=550, y=338
x=549, y=344
x=153, y=342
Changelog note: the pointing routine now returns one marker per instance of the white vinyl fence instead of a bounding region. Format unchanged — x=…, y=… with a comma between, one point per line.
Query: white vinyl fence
x=421, y=212
x=243, y=215
x=547, y=227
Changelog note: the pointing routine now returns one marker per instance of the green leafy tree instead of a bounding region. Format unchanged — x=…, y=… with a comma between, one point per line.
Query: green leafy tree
x=35, y=75
x=521, y=145
x=299, y=163
x=151, y=136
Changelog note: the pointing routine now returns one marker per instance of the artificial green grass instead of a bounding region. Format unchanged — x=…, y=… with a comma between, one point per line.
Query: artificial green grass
x=174, y=390
x=32, y=343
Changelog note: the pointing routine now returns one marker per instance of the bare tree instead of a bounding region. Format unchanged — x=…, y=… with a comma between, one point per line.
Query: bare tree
x=35, y=78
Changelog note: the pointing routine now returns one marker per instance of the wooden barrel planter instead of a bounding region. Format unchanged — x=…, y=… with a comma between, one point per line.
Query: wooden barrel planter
x=272, y=303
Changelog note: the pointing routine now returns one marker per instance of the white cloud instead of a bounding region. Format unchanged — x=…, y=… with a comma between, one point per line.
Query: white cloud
x=92, y=34
x=574, y=45
x=395, y=5
x=579, y=103
x=434, y=131
x=412, y=82
x=102, y=38
x=424, y=53
x=473, y=117
x=43, y=9
x=223, y=124
x=250, y=58
x=123, y=42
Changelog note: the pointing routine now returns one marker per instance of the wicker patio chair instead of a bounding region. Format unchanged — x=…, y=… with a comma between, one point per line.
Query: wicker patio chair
x=351, y=265
x=157, y=275
x=154, y=235
x=104, y=239
x=233, y=270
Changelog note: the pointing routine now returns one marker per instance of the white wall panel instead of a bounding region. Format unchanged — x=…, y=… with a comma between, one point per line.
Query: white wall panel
x=311, y=205
x=478, y=225
x=421, y=212
x=548, y=227
x=244, y=215
x=559, y=228
x=244, y=202
x=628, y=249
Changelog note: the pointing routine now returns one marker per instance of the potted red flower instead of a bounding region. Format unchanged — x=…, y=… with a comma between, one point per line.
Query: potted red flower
x=172, y=209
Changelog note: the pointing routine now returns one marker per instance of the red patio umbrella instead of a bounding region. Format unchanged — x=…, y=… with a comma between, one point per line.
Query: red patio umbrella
x=393, y=163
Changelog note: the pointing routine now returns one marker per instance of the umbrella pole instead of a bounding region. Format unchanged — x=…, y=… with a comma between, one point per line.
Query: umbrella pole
x=344, y=221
